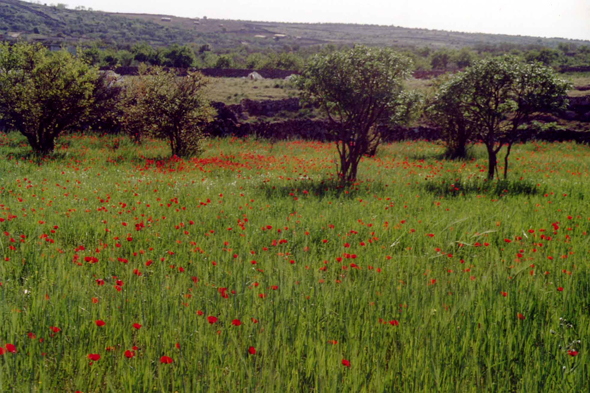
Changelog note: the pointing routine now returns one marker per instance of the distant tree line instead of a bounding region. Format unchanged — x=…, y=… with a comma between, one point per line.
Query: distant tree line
x=293, y=57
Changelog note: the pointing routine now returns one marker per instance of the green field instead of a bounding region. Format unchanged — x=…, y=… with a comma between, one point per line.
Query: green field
x=249, y=269
x=233, y=90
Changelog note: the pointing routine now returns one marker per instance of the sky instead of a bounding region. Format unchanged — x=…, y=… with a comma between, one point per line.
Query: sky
x=542, y=18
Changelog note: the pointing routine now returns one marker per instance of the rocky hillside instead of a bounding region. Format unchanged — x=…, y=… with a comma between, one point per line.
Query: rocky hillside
x=58, y=24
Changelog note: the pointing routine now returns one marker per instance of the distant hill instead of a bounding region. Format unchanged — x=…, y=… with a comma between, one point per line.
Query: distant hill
x=57, y=24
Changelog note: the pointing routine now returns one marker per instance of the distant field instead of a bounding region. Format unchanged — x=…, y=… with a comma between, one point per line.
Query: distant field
x=233, y=90
x=579, y=80
x=247, y=269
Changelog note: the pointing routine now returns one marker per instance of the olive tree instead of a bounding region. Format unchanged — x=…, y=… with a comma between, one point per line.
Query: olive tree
x=494, y=100
x=357, y=90
x=43, y=94
x=164, y=105
x=447, y=111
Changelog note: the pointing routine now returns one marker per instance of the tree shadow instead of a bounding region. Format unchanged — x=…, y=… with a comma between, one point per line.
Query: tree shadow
x=321, y=189
x=499, y=188
x=25, y=153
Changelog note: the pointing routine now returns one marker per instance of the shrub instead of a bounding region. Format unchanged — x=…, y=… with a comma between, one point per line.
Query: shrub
x=43, y=94
x=178, y=56
x=166, y=106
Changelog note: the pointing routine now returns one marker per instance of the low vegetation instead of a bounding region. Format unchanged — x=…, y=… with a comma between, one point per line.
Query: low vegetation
x=160, y=104
x=247, y=268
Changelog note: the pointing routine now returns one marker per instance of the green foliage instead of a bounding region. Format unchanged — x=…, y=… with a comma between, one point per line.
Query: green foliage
x=448, y=111
x=43, y=94
x=283, y=61
x=91, y=55
x=440, y=59
x=223, y=61
x=357, y=90
x=109, y=58
x=104, y=112
x=163, y=105
x=492, y=100
x=464, y=58
x=545, y=56
x=144, y=53
x=178, y=56
x=125, y=58
x=204, y=48
x=254, y=61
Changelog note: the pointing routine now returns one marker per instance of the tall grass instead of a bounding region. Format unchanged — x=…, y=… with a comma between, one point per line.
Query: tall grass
x=422, y=275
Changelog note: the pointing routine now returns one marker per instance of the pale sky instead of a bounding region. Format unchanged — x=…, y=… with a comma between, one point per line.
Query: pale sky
x=543, y=18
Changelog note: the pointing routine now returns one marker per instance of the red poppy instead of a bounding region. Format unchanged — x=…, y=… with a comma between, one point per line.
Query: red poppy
x=252, y=351
x=129, y=354
x=212, y=319
x=2, y=351
x=345, y=363
x=166, y=360
x=100, y=323
x=521, y=317
x=55, y=329
x=236, y=322
x=572, y=352
x=94, y=357
x=11, y=348
x=137, y=326
x=394, y=323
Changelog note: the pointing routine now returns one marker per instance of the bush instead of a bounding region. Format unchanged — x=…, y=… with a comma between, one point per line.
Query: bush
x=178, y=56
x=166, y=106
x=104, y=113
x=43, y=94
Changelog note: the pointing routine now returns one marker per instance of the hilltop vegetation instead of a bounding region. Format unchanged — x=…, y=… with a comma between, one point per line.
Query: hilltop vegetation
x=59, y=24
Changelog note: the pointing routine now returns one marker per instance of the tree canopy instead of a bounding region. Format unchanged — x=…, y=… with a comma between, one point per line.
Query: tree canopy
x=494, y=99
x=43, y=94
x=357, y=90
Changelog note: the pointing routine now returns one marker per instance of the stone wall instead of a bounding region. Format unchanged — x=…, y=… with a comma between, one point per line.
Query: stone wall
x=229, y=123
x=212, y=72
x=578, y=109
x=270, y=107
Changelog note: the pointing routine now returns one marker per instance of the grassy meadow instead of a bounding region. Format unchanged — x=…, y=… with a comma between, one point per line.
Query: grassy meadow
x=249, y=269
x=233, y=90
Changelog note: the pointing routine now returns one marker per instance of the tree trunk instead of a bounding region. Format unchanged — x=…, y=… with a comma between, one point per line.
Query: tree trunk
x=41, y=143
x=493, y=162
x=353, y=170
x=506, y=161
x=344, y=162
